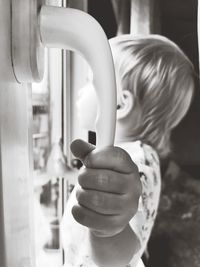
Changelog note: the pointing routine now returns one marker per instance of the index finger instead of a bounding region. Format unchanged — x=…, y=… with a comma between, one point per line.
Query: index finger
x=112, y=158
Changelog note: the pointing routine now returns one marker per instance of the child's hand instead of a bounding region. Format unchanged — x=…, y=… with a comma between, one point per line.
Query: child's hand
x=110, y=189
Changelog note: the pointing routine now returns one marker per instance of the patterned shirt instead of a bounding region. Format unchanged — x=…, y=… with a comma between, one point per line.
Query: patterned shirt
x=74, y=236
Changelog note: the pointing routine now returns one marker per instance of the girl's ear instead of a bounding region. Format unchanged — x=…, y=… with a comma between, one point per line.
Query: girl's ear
x=126, y=106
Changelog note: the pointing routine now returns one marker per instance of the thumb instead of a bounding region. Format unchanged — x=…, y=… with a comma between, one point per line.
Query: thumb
x=81, y=149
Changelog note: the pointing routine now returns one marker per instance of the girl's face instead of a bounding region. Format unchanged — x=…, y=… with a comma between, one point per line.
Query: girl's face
x=87, y=106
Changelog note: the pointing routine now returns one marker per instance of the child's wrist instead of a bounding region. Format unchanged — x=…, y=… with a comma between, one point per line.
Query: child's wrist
x=107, y=234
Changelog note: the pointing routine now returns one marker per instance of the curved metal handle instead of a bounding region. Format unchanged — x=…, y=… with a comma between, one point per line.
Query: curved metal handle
x=75, y=30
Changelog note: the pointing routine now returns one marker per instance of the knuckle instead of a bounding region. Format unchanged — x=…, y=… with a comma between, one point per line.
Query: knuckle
x=103, y=179
x=88, y=198
x=97, y=199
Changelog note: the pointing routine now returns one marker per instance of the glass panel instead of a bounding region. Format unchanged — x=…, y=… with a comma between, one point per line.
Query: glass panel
x=46, y=188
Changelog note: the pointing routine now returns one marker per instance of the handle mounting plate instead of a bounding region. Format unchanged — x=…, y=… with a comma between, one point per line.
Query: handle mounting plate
x=27, y=49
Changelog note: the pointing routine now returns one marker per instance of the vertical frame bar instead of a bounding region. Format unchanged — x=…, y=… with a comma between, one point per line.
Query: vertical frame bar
x=145, y=17
x=122, y=12
x=16, y=191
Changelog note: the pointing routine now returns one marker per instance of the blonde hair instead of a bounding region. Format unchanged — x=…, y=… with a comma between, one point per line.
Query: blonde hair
x=161, y=79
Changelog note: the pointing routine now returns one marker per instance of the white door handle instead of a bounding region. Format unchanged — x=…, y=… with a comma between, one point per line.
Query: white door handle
x=70, y=29
x=77, y=31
